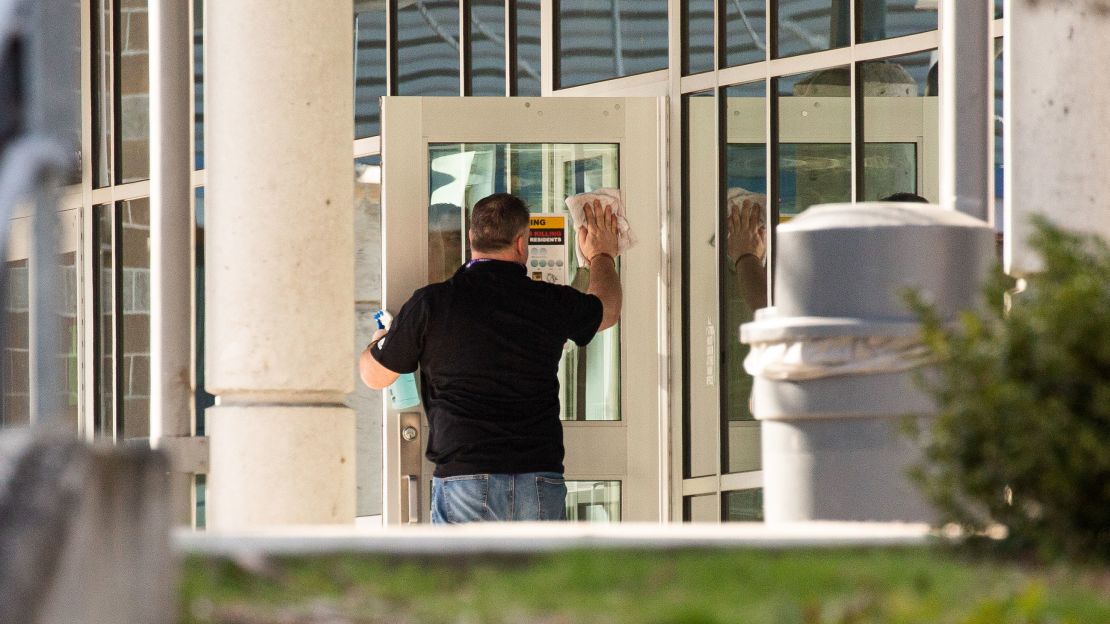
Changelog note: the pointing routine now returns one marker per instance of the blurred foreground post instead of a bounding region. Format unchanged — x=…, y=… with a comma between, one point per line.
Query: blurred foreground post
x=84, y=532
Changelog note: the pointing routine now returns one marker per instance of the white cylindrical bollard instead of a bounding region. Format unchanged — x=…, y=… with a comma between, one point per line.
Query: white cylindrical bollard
x=833, y=359
x=280, y=263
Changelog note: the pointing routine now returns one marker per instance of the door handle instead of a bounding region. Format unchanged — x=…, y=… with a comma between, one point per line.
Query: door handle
x=413, y=486
x=410, y=465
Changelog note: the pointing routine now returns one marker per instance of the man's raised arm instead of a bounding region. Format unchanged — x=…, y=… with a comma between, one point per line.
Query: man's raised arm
x=598, y=240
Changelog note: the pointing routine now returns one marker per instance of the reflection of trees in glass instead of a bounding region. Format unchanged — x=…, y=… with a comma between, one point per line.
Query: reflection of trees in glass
x=603, y=40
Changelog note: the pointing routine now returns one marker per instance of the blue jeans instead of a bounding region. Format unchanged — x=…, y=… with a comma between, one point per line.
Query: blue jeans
x=499, y=497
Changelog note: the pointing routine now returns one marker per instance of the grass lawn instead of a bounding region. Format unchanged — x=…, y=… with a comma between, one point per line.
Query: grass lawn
x=897, y=585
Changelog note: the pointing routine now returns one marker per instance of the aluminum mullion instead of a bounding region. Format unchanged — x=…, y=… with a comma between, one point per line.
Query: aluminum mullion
x=121, y=192
x=510, y=48
x=620, y=87
x=898, y=46
x=549, y=63
x=117, y=321
x=390, y=46
x=855, y=106
x=698, y=82
x=741, y=481
x=465, y=53
x=741, y=74
x=86, y=309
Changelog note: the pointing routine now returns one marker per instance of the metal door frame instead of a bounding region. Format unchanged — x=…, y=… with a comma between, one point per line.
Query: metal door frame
x=639, y=126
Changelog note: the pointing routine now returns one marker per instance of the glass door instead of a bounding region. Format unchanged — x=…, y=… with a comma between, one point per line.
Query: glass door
x=440, y=156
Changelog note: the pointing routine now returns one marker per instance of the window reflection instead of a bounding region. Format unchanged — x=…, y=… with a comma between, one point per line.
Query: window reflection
x=543, y=175
x=899, y=126
x=428, y=48
x=133, y=99
x=697, y=36
x=811, y=25
x=202, y=398
x=102, y=93
x=744, y=41
x=104, y=419
x=594, y=501
x=603, y=40
x=487, y=47
x=701, y=508
x=16, y=366
x=370, y=65
x=743, y=505
x=701, y=415
x=883, y=19
x=198, y=84
x=526, y=22
x=814, y=140
x=999, y=126
x=134, y=363
x=743, y=282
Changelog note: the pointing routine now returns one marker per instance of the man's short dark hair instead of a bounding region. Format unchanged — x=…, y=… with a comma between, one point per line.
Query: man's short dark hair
x=496, y=221
x=905, y=197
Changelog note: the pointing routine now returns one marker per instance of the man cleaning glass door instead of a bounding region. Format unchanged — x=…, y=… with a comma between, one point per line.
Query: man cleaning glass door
x=488, y=342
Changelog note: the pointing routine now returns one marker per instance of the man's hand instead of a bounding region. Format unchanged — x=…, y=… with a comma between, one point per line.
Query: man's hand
x=599, y=234
x=746, y=232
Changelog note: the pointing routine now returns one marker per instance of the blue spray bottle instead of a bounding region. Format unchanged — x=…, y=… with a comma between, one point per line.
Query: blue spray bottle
x=402, y=393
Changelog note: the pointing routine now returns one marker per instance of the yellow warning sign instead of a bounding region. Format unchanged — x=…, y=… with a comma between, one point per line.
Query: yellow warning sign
x=547, y=247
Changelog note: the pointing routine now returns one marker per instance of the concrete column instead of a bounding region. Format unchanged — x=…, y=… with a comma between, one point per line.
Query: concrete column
x=171, y=224
x=1057, y=141
x=279, y=244
x=966, y=107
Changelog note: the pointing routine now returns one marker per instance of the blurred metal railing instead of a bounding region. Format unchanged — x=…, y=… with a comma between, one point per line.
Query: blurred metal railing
x=38, y=117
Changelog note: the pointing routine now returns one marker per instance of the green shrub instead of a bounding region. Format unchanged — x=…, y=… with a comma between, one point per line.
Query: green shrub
x=1022, y=436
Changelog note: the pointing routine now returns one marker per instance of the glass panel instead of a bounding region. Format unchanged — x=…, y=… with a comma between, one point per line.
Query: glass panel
x=743, y=505
x=367, y=403
x=700, y=509
x=998, y=4
x=17, y=354
x=102, y=93
x=745, y=23
x=202, y=506
x=697, y=36
x=999, y=126
x=743, y=278
x=487, y=47
x=428, y=48
x=883, y=19
x=134, y=365
x=814, y=140
x=198, y=84
x=370, y=61
x=202, y=399
x=594, y=501
x=543, y=175
x=899, y=112
x=701, y=416
x=527, y=22
x=603, y=40
x=133, y=99
x=811, y=25
x=70, y=338
x=104, y=276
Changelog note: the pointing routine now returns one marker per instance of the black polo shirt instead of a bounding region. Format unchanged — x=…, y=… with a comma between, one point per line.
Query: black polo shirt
x=488, y=342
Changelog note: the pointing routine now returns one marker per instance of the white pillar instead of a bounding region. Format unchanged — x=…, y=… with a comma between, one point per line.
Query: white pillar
x=171, y=224
x=280, y=277
x=1057, y=141
x=966, y=107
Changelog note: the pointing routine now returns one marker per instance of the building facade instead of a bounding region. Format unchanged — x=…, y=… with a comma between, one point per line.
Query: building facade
x=801, y=101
